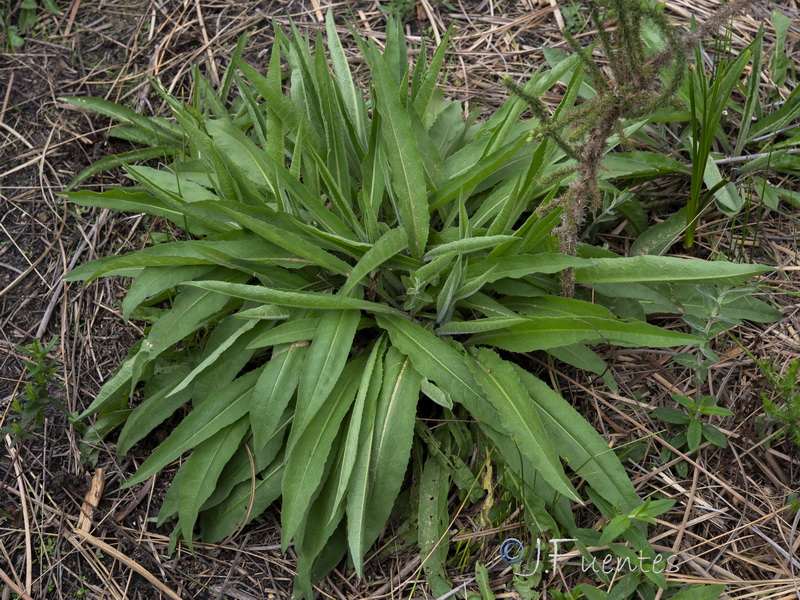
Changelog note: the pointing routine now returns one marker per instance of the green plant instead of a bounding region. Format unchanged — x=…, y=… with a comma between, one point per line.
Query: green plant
x=353, y=267
x=27, y=412
x=646, y=513
x=738, y=133
x=709, y=96
x=695, y=429
x=786, y=410
x=401, y=10
x=711, y=310
x=28, y=9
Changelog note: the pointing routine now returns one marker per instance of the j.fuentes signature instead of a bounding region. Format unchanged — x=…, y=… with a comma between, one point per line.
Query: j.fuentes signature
x=513, y=551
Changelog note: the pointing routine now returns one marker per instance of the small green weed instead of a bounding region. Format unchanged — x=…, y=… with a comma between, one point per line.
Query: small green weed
x=645, y=512
x=692, y=430
x=735, y=133
x=786, y=410
x=28, y=10
x=27, y=412
x=711, y=310
x=709, y=95
x=402, y=10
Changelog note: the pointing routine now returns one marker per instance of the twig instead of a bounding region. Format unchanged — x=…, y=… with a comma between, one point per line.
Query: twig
x=746, y=157
x=92, y=500
x=60, y=286
x=7, y=96
x=23, y=499
x=127, y=561
x=14, y=587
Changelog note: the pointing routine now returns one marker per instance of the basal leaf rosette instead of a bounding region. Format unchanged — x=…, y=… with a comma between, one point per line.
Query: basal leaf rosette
x=353, y=264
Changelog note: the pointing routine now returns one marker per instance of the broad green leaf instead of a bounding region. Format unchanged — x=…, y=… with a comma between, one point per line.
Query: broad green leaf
x=325, y=360
x=700, y=592
x=739, y=307
x=121, y=160
x=557, y=306
x=203, y=469
x=154, y=280
x=727, y=198
x=405, y=169
x=159, y=130
x=258, y=221
x=436, y=394
x=333, y=164
x=246, y=462
x=479, y=325
x=668, y=269
x=448, y=128
x=488, y=306
x=248, y=500
x=114, y=391
x=439, y=362
x=138, y=201
x=235, y=147
x=173, y=184
x=389, y=244
x=615, y=528
x=230, y=363
x=640, y=164
x=659, y=238
x=714, y=435
x=202, y=423
x=344, y=79
x=581, y=357
x=516, y=267
x=542, y=333
x=287, y=111
x=191, y=308
x=536, y=230
x=362, y=422
x=430, y=271
x=291, y=298
x=694, y=434
x=580, y=445
x=212, y=358
x=651, y=300
x=308, y=449
x=472, y=286
x=273, y=391
x=319, y=542
x=518, y=199
x=380, y=468
x=422, y=96
x=294, y=330
x=467, y=245
x=482, y=579
x=265, y=311
x=519, y=418
x=670, y=415
x=224, y=249
x=433, y=517
x=155, y=409
x=370, y=196
x=445, y=301
x=467, y=180
x=340, y=204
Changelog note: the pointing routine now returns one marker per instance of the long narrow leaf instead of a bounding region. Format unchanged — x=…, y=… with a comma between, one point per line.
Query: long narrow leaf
x=511, y=400
x=405, y=169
